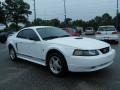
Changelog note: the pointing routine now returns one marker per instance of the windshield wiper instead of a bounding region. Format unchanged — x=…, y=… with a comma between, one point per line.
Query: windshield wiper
x=65, y=36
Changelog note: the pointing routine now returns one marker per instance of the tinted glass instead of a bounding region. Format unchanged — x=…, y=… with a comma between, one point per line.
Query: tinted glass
x=106, y=29
x=73, y=30
x=20, y=34
x=89, y=28
x=32, y=35
x=51, y=33
x=28, y=34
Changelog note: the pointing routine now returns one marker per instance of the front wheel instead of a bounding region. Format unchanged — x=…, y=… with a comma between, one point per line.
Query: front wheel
x=57, y=64
x=12, y=54
x=116, y=42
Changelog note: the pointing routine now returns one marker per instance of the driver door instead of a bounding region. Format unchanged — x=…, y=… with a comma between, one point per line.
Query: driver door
x=30, y=45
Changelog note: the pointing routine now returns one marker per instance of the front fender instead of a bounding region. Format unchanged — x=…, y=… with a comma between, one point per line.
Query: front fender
x=65, y=50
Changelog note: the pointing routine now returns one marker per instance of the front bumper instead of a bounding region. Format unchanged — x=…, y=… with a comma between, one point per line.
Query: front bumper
x=89, y=33
x=91, y=63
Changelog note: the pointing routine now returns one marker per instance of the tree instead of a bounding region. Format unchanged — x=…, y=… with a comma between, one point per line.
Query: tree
x=91, y=23
x=67, y=22
x=4, y=16
x=55, y=22
x=40, y=22
x=1, y=13
x=106, y=19
x=17, y=10
x=37, y=22
x=98, y=21
x=103, y=20
x=80, y=23
x=115, y=21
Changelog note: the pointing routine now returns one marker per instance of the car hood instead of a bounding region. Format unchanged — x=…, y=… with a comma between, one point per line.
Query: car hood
x=80, y=42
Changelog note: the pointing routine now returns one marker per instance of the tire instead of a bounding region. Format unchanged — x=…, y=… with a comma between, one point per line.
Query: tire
x=2, y=41
x=57, y=64
x=116, y=42
x=12, y=54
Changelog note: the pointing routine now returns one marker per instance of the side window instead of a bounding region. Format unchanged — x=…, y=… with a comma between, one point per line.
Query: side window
x=32, y=35
x=20, y=34
x=28, y=34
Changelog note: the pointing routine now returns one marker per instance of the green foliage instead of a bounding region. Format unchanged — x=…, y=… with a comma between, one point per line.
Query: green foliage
x=4, y=16
x=18, y=10
x=55, y=22
x=40, y=22
x=68, y=22
x=79, y=23
x=1, y=13
x=15, y=11
x=115, y=20
x=13, y=26
x=105, y=19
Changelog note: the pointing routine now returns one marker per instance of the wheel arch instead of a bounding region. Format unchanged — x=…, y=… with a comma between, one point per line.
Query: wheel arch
x=11, y=46
x=54, y=51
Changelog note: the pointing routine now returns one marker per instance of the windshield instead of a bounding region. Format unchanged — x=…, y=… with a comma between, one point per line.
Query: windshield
x=72, y=30
x=106, y=29
x=51, y=33
x=89, y=28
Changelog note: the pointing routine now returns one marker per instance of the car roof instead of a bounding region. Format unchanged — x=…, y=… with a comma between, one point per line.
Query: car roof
x=107, y=26
x=89, y=27
x=34, y=27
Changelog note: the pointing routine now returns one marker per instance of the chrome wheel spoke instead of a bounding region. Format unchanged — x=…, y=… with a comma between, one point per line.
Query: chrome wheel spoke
x=55, y=67
x=12, y=54
x=55, y=64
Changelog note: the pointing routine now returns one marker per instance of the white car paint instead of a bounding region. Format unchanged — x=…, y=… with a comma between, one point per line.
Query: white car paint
x=107, y=35
x=81, y=43
x=89, y=30
x=36, y=51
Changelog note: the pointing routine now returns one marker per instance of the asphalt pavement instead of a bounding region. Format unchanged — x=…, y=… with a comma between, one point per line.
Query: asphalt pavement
x=22, y=75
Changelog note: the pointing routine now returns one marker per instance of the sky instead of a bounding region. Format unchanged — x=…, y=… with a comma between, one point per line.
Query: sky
x=76, y=9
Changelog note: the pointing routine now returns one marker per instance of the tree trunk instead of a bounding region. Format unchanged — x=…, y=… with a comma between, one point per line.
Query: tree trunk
x=5, y=23
x=16, y=25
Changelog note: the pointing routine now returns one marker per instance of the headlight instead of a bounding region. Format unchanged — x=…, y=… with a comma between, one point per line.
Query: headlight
x=78, y=52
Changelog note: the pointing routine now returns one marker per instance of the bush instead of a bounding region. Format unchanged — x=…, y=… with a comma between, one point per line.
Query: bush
x=12, y=27
x=1, y=31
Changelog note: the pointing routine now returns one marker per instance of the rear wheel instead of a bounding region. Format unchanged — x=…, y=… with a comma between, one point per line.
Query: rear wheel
x=12, y=54
x=3, y=40
x=57, y=64
x=116, y=42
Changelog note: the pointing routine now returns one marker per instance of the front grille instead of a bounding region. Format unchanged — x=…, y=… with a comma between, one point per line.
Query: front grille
x=105, y=50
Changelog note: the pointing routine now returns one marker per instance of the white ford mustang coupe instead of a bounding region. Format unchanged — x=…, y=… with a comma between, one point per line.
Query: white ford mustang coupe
x=56, y=49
